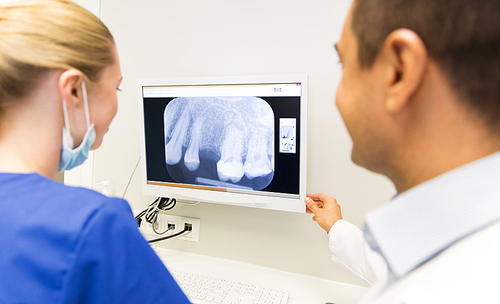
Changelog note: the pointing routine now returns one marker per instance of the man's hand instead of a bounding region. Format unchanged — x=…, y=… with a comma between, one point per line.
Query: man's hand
x=326, y=210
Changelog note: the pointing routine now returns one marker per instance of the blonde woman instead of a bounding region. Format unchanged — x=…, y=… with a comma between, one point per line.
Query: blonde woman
x=59, y=72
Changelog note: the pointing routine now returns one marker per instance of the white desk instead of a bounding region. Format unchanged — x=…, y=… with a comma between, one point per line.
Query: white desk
x=303, y=289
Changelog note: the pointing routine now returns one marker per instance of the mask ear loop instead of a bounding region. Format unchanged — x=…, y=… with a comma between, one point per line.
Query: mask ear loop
x=86, y=103
x=66, y=119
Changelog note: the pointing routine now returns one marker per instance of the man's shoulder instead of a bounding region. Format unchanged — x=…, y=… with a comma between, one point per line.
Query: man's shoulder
x=462, y=273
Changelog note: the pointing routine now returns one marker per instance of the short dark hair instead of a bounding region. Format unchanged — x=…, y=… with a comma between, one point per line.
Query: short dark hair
x=462, y=36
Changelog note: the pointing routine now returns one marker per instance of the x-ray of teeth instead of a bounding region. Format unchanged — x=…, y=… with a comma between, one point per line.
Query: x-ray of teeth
x=220, y=141
x=192, y=156
x=287, y=132
x=257, y=160
x=230, y=165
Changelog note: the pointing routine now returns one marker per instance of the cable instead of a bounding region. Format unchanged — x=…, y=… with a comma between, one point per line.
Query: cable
x=189, y=203
x=151, y=216
x=160, y=233
x=130, y=179
x=151, y=213
x=170, y=236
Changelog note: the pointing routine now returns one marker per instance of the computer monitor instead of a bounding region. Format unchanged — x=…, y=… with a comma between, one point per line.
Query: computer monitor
x=227, y=140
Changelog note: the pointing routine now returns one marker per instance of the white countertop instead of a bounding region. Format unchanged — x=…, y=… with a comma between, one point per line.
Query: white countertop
x=303, y=289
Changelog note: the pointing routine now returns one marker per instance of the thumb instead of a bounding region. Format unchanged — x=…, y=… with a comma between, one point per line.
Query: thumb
x=311, y=204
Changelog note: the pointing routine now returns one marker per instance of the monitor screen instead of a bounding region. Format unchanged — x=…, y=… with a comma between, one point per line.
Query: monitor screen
x=229, y=140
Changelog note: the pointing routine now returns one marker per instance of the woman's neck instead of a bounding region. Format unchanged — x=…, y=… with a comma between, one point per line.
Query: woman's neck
x=31, y=132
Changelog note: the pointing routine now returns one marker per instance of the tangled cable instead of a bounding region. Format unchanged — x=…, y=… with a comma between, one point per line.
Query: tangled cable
x=151, y=213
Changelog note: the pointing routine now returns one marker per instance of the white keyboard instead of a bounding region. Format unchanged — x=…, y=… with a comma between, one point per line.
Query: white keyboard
x=202, y=289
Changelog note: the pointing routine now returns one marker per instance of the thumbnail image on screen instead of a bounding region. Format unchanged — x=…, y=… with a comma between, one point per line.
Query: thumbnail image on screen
x=220, y=141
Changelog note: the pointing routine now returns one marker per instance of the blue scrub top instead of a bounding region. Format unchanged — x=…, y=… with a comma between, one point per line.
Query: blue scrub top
x=61, y=244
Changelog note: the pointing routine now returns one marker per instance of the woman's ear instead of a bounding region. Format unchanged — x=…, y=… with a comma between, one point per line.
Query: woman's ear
x=407, y=60
x=70, y=86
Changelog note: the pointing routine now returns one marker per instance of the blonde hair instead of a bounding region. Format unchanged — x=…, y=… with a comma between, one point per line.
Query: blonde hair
x=37, y=36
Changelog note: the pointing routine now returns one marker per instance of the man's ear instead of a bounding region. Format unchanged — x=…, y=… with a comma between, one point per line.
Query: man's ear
x=70, y=86
x=407, y=60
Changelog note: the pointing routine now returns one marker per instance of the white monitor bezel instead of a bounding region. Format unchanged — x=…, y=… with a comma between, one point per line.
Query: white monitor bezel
x=236, y=199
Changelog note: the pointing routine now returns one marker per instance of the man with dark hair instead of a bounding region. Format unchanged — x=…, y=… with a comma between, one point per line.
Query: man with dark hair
x=420, y=97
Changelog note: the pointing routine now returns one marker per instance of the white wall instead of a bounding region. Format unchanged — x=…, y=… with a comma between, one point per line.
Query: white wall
x=91, y=5
x=166, y=38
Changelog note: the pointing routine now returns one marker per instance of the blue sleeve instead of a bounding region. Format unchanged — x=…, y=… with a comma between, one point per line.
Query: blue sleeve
x=115, y=264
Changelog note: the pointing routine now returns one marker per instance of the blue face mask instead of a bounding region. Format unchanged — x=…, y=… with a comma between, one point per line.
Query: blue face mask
x=73, y=157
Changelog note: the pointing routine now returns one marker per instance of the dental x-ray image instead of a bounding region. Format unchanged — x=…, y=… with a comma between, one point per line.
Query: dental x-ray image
x=224, y=142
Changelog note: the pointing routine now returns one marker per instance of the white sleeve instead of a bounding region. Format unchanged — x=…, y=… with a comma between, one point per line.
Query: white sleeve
x=351, y=251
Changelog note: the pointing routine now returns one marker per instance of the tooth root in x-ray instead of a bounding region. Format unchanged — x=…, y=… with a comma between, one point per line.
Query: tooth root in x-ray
x=192, y=156
x=257, y=162
x=173, y=150
x=230, y=166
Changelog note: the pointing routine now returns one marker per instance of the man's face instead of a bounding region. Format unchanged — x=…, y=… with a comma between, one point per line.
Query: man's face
x=359, y=99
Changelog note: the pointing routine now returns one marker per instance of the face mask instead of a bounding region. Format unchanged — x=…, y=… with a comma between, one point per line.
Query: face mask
x=70, y=157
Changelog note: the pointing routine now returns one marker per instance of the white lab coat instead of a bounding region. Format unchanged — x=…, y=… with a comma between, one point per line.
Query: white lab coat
x=467, y=272
x=351, y=251
x=455, y=224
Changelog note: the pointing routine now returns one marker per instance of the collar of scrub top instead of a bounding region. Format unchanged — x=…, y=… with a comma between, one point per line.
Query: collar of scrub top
x=423, y=221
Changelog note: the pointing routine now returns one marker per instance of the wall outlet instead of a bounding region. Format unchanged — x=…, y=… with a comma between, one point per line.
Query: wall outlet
x=179, y=222
x=194, y=235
